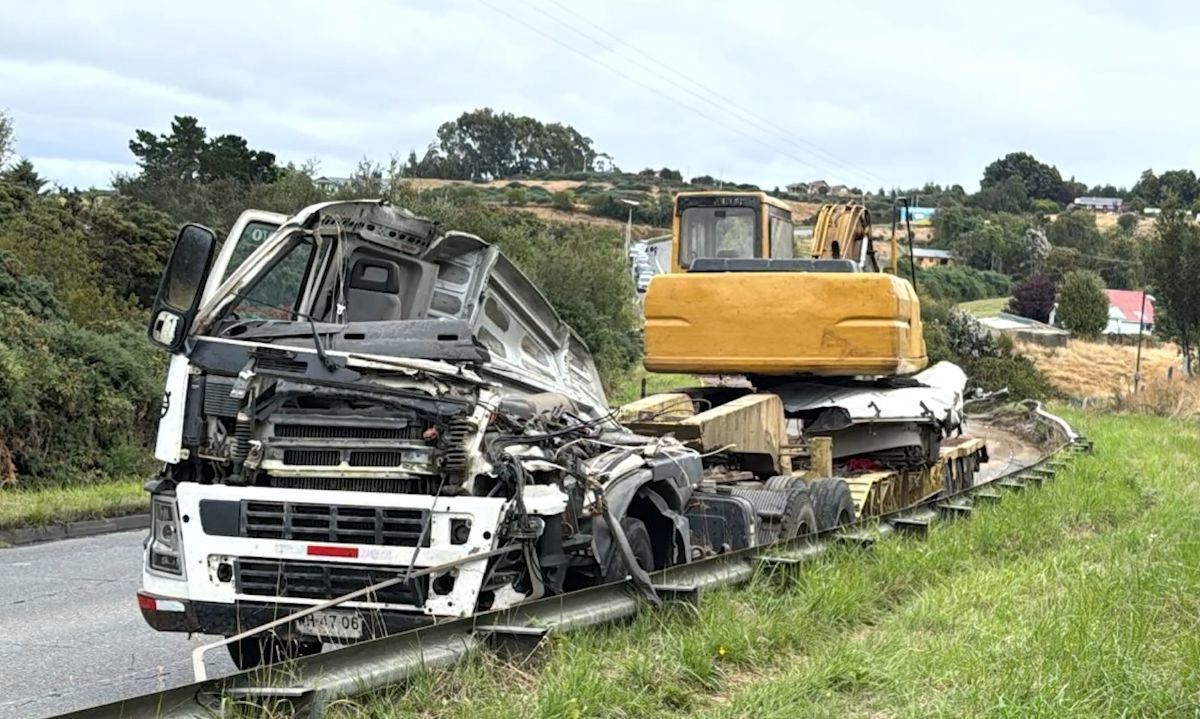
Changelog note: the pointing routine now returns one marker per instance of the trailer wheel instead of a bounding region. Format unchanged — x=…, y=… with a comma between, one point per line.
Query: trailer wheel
x=799, y=516
x=257, y=651
x=832, y=502
x=786, y=481
x=639, y=541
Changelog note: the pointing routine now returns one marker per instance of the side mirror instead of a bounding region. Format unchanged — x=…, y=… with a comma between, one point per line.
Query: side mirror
x=179, y=291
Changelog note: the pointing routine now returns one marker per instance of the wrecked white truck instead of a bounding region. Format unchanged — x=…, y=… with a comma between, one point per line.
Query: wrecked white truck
x=355, y=394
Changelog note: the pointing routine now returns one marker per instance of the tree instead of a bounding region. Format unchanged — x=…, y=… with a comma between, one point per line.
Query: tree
x=1060, y=261
x=6, y=138
x=485, y=145
x=995, y=243
x=1179, y=184
x=1039, y=180
x=1082, y=304
x=186, y=154
x=23, y=174
x=1034, y=252
x=192, y=178
x=1008, y=195
x=668, y=174
x=1147, y=189
x=1033, y=298
x=1075, y=229
x=1172, y=260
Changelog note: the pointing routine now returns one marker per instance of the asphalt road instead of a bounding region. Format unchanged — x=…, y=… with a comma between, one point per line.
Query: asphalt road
x=71, y=634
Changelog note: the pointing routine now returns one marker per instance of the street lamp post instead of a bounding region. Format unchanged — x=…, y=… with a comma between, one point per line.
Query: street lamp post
x=629, y=223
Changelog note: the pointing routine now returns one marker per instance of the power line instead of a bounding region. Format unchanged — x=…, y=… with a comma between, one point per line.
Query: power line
x=657, y=91
x=723, y=102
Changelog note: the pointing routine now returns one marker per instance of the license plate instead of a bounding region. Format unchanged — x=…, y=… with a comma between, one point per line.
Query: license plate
x=331, y=623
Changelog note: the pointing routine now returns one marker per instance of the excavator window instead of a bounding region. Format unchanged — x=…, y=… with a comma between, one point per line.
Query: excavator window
x=722, y=232
x=782, y=238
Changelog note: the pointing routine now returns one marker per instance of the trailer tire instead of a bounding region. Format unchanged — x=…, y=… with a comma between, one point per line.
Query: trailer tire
x=799, y=515
x=639, y=541
x=261, y=650
x=786, y=481
x=832, y=502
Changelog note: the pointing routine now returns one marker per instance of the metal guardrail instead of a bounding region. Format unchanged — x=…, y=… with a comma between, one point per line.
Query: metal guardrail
x=312, y=682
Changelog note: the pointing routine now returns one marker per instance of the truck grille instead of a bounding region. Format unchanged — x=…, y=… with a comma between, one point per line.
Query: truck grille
x=334, y=523
x=312, y=457
x=376, y=458
x=345, y=431
x=392, y=485
x=313, y=580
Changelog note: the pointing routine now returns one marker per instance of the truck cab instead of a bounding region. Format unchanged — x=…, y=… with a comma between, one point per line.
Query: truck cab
x=354, y=394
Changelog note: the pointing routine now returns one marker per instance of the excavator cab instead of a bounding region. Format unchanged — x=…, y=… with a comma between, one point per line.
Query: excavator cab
x=745, y=297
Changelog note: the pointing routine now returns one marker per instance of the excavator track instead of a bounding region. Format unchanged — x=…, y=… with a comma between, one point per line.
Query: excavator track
x=311, y=683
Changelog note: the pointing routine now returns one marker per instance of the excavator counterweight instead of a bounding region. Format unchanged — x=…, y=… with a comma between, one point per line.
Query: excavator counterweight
x=741, y=298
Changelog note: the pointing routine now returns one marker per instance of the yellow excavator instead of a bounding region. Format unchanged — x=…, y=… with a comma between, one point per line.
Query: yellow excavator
x=740, y=299
x=809, y=357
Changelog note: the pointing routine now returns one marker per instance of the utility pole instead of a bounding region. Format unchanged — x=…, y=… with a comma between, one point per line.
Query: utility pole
x=1137, y=372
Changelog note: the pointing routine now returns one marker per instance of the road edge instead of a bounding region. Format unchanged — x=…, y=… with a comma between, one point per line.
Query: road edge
x=73, y=530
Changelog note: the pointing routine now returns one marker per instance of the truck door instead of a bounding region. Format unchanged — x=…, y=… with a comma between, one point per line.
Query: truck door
x=246, y=235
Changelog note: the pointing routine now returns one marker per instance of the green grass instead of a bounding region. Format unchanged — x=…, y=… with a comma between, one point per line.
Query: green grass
x=630, y=387
x=985, y=308
x=35, y=507
x=1078, y=599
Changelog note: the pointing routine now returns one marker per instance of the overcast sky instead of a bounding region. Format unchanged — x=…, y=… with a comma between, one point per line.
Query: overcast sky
x=865, y=93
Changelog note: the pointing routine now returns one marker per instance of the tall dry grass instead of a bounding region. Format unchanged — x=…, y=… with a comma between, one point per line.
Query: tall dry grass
x=1101, y=375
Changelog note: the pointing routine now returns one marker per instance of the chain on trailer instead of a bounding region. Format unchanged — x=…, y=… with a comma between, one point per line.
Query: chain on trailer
x=310, y=683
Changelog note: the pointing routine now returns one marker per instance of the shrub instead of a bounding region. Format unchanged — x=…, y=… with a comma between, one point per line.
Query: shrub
x=73, y=401
x=956, y=284
x=1014, y=372
x=1033, y=298
x=1082, y=304
x=563, y=200
x=538, y=195
x=1046, y=207
x=1127, y=222
x=515, y=195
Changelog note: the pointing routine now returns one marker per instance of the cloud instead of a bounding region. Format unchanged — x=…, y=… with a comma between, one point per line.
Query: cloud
x=760, y=91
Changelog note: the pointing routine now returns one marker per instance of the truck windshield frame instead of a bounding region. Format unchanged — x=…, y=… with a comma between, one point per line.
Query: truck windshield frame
x=719, y=232
x=280, y=266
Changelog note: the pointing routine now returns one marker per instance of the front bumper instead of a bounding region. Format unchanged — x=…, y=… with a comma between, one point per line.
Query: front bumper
x=294, y=565
x=229, y=619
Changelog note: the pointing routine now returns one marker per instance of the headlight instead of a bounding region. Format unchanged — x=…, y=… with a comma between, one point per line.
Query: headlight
x=166, y=551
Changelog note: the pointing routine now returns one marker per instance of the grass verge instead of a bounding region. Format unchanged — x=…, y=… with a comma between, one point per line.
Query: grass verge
x=49, y=505
x=989, y=307
x=630, y=388
x=1079, y=599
